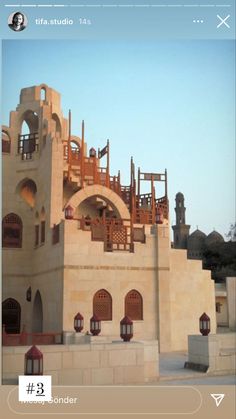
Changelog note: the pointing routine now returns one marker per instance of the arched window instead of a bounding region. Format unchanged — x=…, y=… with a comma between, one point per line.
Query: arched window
x=36, y=230
x=30, y=122
x=27, y=189
x=6, y=142
x=25, y=128
x=134, y=305
x=43, y=224
x=57, y=124
x=43, y=93
x=12, y=231
x=28, y=140
x=102, y=305
x=11, y=313
x=75, y=150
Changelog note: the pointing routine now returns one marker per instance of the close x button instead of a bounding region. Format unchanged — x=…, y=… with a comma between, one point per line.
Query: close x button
x=223, y=21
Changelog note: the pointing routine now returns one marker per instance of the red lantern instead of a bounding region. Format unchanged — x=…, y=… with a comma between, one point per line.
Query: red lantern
x=69, y=213
x=78, y=322
x=95, y=325
x=126, y=329
x=34, y=361
x=204, y=324
x=159, y=216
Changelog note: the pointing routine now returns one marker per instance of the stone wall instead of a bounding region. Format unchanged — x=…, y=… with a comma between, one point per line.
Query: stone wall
x=217, y=352
x=90, y=364
x=231, y=298
x=192, y=293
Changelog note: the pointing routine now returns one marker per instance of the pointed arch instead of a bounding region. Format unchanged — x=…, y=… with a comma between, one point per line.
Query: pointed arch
x=30, y=122
x=37, y=317
x=134, y=305
x=102, y=305
x=27, y=189
x=57, y=122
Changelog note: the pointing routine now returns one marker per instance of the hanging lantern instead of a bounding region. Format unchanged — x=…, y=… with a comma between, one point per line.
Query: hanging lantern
x=204, y=324
x=33, y=361
x=78, y=322
x=159, y=216
x=95, y=325
x=69, y=213
x=126, y=329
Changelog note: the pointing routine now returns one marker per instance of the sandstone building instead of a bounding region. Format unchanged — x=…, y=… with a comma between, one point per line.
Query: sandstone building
x=76, y=240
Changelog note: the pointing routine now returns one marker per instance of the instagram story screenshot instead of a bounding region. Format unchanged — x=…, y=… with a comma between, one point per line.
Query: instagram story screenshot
x=118, y=228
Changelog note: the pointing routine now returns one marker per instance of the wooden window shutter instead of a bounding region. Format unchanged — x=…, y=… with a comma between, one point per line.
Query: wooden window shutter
x=134, y=305
x=102, y=305
x=12, y=231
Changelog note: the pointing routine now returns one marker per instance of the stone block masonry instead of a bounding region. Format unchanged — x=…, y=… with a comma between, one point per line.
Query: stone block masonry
x=90, y=364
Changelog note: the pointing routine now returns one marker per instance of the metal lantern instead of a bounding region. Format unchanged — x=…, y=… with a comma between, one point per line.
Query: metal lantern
x=204, y=324
x=69, y=212
x=126, y=329
x=95, y=325
x=159, y=216
x=78, y=322
x=33, y=361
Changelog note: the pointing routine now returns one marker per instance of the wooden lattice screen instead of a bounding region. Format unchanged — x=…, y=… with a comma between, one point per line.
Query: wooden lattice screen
x=134, y=305
x=11, y=313
x=102, y=305
x=11, y=231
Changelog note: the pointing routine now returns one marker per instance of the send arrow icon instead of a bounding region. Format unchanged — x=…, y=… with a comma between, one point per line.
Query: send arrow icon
x=218, y=398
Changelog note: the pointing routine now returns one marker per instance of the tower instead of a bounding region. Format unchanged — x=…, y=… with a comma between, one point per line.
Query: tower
x=181, y=230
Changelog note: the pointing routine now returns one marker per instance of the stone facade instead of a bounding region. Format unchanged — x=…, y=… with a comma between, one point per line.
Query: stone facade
x=90, y=364
x=60, y=261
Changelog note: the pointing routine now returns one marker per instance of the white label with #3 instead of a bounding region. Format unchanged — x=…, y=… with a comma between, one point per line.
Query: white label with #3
x=35, y=388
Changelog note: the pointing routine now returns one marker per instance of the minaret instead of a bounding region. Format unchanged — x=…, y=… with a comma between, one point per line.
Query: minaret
x=181, y=230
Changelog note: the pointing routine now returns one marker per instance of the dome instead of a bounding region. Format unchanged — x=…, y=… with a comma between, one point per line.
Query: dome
x=179, y=195
x=196, y=240
x=214, y=237
x=197, y=234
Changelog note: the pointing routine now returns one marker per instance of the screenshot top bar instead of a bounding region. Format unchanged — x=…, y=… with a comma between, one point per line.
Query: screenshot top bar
x=114, y=19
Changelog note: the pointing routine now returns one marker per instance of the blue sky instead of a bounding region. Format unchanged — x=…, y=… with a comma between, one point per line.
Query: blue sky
x=169, y=104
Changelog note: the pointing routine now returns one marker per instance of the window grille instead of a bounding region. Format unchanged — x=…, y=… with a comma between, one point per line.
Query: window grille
x=12, y=231
x=134, y=305
x=102, y=305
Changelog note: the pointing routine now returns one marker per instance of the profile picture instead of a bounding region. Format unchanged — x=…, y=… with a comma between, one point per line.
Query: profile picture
x=17, y=21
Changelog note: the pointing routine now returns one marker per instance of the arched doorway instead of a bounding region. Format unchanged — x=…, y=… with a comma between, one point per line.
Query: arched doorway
x=11, y=314
x=37, y=319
